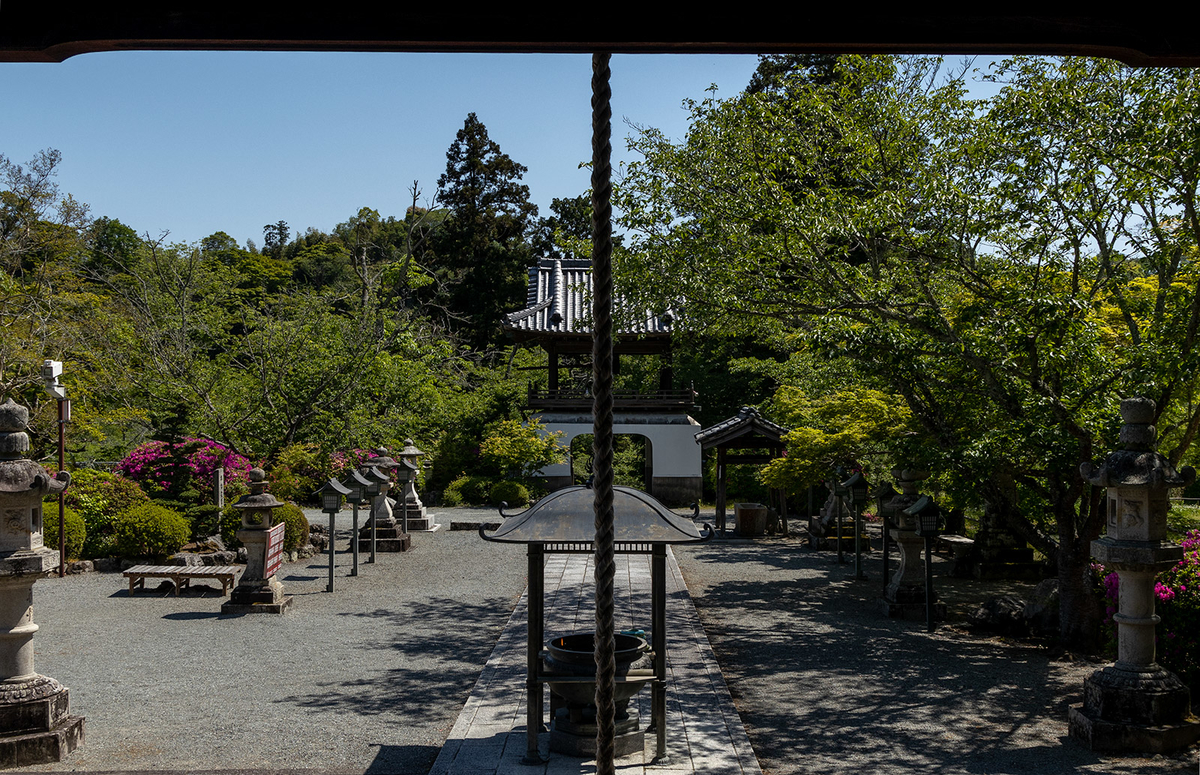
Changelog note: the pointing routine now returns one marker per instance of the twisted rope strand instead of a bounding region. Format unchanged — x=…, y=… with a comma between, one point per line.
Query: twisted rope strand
x=602, y=412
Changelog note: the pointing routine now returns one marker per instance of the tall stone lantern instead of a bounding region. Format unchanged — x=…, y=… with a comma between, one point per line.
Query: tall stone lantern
x=904, y=595
x=1134, y=704
x=415, y=515
x=258, y=591
x=36, y=725
x=387, y=535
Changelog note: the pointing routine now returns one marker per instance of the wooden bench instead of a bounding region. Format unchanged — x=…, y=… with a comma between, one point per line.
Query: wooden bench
x=182, y=575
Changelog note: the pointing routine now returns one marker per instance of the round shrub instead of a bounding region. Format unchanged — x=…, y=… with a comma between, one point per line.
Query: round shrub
x=295, y=534
x=469, y=490
x=451, y=497
x=76, y=531
x=150, y=530
x=98, y=497
x=510, y=492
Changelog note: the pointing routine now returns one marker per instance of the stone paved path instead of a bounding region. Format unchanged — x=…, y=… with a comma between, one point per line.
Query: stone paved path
x=704, y=732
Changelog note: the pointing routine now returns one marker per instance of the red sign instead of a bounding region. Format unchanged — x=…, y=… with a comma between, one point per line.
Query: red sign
x=274, y=557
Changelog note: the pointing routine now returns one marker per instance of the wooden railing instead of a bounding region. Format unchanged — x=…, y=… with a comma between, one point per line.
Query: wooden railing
x=582, y=399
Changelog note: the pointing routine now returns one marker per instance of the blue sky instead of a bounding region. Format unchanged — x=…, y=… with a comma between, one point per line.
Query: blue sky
x=196, y=142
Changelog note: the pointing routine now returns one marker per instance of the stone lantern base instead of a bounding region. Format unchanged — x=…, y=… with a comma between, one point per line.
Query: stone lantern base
x=1134, y=710
x=910, y=604
x=419, y=518
x=390, y=538
x=35, y=716
x=257, y=599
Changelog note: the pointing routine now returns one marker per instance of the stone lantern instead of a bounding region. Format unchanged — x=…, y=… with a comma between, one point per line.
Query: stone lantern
x=904, y=595
x=1134, y=704
x=36, y=725
x=382, y=529
x=415, y=515
x=258, y=591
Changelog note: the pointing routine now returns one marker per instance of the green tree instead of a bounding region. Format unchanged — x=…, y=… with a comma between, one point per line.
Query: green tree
x=519, y=450
x=482, y=253
x=275, y=237
x=1011, y=268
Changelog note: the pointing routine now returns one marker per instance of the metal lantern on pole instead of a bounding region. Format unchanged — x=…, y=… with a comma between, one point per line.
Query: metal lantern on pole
x=859, y=491
x=842, y=494
x=928, y=518
x=51, y=371
x=377, y=479
x=331, y=494
x=357, y=486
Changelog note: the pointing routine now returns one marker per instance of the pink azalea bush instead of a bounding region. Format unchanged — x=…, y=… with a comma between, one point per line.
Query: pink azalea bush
x=345, y=461
x=162, y=467
x=1177, y=603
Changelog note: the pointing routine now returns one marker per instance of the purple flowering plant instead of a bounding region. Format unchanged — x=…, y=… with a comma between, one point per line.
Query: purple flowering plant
x=341, y=462
x=171, y=468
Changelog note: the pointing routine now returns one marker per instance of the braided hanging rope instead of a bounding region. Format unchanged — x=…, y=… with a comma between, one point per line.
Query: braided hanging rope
x=602, y=412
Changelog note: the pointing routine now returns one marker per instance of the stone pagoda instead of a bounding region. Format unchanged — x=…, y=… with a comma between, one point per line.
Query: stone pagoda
x=36, y=725
x=1134, y=704
x=415, y=516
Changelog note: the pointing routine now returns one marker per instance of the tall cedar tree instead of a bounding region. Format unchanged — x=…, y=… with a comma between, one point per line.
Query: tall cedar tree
x=482, y=253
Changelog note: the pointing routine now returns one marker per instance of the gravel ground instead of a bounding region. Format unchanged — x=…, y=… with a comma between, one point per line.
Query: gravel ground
x=825, y=684
x=367, y=679
x=371, y=678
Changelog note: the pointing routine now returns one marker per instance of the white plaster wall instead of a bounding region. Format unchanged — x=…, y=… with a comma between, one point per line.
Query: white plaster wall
x=673, y=447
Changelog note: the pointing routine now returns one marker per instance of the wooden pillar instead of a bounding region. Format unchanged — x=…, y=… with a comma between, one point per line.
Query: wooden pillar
x=552, y=382
x=666, y=375
x=783, y=522
x=658, y=643
x=721, y=490
x=533, y=687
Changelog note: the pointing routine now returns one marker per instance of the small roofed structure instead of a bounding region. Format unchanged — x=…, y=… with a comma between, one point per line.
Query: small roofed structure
x=563, y=522
x=757, y=439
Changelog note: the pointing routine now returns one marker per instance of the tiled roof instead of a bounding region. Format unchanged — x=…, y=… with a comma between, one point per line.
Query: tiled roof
x=559, y=301
x=747, y=421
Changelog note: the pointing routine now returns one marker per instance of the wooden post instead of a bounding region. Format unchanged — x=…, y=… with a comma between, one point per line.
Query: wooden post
x=658, y=638
x=721, y=490
x=533, y=646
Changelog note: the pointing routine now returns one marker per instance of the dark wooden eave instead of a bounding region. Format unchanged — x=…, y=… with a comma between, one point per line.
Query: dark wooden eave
x=745, y=430
x=49, y=31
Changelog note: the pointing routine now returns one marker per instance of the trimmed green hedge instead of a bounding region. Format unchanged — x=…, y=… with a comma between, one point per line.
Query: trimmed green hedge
x=150, y=530
x=513, y=493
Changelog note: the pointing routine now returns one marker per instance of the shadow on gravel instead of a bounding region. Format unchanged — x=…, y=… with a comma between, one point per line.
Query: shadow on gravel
x=167, y=589
x=825, y=683
x=432, y=659
x=403, y=760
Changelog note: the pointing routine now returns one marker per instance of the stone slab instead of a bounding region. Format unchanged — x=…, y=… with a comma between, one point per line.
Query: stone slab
x=236, y=609
x=1100, y=735
x=42, y=747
